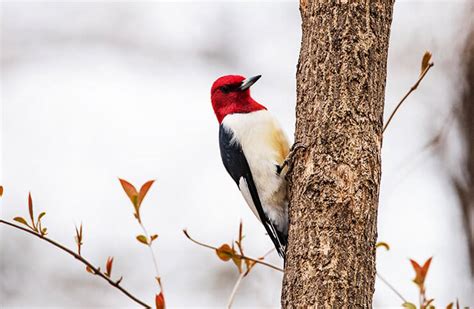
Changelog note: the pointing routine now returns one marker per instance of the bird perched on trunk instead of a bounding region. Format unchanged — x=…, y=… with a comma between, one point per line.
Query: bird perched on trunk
x=253, y=149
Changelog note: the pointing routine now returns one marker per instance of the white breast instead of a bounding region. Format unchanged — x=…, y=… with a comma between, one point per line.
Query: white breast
x=265, y=147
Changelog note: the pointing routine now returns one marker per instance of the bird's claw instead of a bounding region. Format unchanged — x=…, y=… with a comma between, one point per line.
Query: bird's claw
x=294, y=148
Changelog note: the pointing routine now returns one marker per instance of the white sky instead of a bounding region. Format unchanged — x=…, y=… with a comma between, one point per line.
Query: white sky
x=96, y=91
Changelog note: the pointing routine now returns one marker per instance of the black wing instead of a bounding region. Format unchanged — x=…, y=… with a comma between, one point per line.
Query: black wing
x=237, y=166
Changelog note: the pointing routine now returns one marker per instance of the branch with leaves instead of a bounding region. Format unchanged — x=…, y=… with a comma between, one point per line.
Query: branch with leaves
x=421, y=271
x=228, y=252
x=35, y=228
x=136, y=197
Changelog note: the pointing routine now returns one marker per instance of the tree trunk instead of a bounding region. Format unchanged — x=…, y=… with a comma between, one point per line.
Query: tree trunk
x=465, y=184
x=334, y=182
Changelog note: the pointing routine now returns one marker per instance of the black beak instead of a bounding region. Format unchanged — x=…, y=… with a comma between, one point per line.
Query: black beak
x=246, y=83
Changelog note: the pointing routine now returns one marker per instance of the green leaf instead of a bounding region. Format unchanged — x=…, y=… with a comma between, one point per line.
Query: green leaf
x=21, y=220
x=41, y=215
x=408, y=305
x=142, y=239
x=135, y=203
x=382, y=244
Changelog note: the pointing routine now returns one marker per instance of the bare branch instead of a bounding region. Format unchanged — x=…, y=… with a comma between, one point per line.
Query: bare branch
x=94, y=269
x=234, y=290
x=413, y=88
x=153, y=257
x=391, y=287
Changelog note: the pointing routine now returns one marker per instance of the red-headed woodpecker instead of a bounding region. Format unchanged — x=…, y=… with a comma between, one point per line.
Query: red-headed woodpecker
x=253, y=150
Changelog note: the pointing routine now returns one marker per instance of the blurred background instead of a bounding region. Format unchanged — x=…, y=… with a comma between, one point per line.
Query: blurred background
x=93, y=91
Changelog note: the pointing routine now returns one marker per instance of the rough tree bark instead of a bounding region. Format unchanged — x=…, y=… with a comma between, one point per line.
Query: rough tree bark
x=334, y=182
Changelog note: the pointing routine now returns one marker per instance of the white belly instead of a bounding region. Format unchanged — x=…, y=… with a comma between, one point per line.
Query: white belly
x=265, y=147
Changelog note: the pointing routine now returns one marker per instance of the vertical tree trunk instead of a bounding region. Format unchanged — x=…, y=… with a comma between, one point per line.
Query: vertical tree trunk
x=465, y=184
x=334, y=183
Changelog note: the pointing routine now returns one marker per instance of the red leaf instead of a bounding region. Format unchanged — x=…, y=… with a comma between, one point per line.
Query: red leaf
x=130, y=191
x=160, y=301
x=108, y=266
x=143, y=191
x=90, y=270
x=240, y=231
x=1, y=191
x=30, y=209
x=420, y=271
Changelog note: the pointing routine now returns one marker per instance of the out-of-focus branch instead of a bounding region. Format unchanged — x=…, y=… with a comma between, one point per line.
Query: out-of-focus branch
x=391, y=287
x=137, y=197
x=228, y=252
x=95, y=270
x=237, y=255
x=234, y=290
x=153, y=257
x=413, y=88
x=239, y=280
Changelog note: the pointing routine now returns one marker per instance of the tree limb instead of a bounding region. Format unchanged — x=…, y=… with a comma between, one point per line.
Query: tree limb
x=96, y=270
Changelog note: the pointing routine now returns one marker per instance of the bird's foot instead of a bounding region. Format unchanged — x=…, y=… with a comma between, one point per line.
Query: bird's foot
x=293, y=150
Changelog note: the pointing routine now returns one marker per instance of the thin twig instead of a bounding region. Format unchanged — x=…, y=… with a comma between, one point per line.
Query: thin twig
x=234, y=290
x=237, y=255
x=153, y=257
x=243, y=275
x=391, y=287
x=96, y=270
x=268, y=252
x=413, y=88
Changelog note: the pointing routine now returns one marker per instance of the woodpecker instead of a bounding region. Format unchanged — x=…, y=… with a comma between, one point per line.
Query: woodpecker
x=253, y=149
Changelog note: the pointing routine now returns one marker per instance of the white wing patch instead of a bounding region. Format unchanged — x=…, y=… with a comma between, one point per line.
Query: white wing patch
x=244, y=189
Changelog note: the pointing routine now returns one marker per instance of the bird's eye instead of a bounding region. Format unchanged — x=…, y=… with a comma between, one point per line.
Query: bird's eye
x=225, y=89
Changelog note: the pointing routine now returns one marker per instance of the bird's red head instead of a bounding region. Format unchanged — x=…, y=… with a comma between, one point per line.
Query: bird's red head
x=230, y=94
